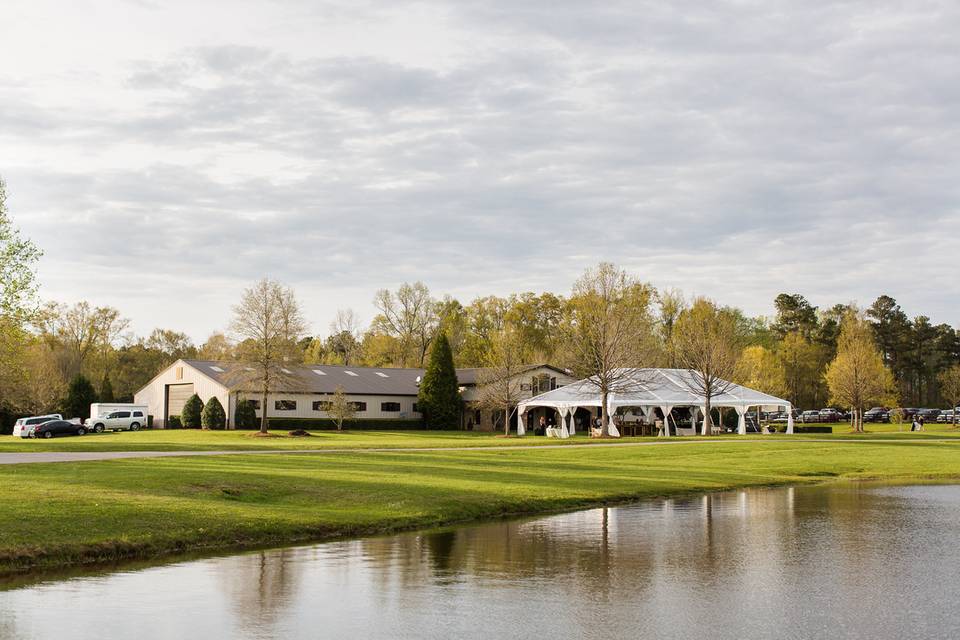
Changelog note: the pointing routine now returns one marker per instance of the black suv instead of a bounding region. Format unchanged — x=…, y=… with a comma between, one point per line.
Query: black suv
x=877, y=414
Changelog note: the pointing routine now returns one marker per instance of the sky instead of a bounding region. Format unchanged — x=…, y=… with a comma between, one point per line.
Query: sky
x=167, y=154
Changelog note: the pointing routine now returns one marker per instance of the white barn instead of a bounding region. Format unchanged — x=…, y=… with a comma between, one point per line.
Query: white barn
x=379, y=393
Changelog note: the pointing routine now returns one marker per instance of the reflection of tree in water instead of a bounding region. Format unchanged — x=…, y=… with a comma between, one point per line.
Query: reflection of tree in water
x=262, y=585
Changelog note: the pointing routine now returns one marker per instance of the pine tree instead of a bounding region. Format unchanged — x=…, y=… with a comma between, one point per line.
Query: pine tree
x=439, y=395
x=214, y=417
x=106, y=389
x=245, y=416
x=80, y=395
x=190, y=417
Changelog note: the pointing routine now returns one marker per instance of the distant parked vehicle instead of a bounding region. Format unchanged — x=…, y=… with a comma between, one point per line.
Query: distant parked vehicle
x=55, y=428
x=876, y=414
x=830, y=415
x=810, y=416
x=946, y=416
x=24, y=426
x=130, y=417
x=908, y=413
x=928, y=415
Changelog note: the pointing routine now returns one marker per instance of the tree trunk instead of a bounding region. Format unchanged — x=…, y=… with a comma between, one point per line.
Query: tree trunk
x=604, y=418
x=707, y=418
x=506, y=422
x=263, y=410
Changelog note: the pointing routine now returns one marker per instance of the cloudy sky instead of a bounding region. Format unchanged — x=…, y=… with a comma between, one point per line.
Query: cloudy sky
x=165, y=154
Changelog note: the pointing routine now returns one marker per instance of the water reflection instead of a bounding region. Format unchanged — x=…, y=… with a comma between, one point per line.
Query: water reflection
x=814, y=562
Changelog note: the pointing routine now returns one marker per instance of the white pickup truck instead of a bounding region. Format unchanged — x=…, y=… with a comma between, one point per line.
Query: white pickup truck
x=131, y=417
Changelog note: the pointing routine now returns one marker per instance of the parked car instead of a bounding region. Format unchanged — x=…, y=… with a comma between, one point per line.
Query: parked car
x=876, y=414
x=810, y=416
x=946, y=416
x=126, y=420
x=830, y=415
x=928, y=415
x=24, y=426
x=55, y=428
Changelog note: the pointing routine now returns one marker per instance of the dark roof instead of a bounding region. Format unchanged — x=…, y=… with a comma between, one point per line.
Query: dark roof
x=324, y=378
x=468, y=376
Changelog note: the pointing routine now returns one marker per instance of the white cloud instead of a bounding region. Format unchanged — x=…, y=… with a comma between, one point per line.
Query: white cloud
x=174, y=152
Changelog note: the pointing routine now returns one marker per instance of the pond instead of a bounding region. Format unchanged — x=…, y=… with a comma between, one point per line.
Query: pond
x=830, y=561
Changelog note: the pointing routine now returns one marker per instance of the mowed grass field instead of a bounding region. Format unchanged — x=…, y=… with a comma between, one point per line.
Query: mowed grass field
x=54, y=515
x=197, y=440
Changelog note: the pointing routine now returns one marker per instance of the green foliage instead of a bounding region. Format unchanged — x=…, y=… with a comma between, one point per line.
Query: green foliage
x=192, y=412
x=245, y=415
x=173, y=422
x=80, y=395
x=439, y=395
x=106, y=389
x=17, y=277
x=214, y=417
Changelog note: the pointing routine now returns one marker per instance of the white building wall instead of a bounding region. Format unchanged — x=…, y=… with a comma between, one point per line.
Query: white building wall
x=154, y=395
x=305, y=406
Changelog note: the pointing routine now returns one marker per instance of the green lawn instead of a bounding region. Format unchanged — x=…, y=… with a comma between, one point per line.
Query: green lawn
x=56, y=514
x=196, y=440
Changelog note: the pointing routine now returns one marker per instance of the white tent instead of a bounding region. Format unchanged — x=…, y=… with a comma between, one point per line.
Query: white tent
x=648, y=390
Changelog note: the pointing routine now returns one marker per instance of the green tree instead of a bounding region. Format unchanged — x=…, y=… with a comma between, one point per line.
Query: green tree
x=17, y=300
x=439, y=395
x=106, y=389
x=191, y=415
x=609, y=330
x=857, y=377
x=213, y=417
x=80, y=395
x=245, y=415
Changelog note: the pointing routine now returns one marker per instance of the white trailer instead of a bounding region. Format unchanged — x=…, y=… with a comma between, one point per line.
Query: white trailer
x=117, y=416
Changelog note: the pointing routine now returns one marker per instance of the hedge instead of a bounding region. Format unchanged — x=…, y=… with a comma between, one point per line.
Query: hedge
x=799, y=429
x=356, y=424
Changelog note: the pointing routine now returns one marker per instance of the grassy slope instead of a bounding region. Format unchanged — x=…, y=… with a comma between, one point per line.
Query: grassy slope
x=54, y=514
x=195, y=440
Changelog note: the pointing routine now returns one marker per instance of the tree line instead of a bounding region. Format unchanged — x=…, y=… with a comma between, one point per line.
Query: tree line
x=609, y=319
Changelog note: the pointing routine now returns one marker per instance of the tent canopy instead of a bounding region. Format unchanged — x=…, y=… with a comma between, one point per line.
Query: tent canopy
x=655, y=388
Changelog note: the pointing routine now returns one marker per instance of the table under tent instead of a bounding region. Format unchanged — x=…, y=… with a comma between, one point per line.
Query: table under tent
x=645, y=392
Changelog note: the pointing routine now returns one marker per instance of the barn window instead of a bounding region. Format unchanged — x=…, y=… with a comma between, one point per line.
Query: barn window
x=388, y=407
x=285, y=405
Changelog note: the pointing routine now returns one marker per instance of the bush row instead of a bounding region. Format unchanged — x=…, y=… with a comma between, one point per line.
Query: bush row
x=357, y=424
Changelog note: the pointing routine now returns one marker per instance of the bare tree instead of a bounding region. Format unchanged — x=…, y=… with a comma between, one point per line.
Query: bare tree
x=498, y=383
x=409, y=316
x=345, y=336
x=217, y=347
x=267, y=325
x=82, y=329
x=608, y=330
x=339, y=408
x=950, y=388
x=672, y=304
x=706, y=342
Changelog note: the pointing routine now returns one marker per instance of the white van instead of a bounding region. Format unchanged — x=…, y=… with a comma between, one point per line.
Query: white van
x=24, y=426
x=117, y=417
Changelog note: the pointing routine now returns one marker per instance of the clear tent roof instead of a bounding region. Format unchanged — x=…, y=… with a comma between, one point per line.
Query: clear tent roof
x=652, y=388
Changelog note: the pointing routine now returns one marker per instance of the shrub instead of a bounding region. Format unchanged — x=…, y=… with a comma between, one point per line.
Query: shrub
x=190, y=417
x=357, y=424
x=80, y=395
x=173, y=422
x=245, y=416
x=439, y=395
x=214, y=417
